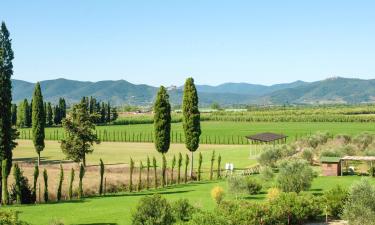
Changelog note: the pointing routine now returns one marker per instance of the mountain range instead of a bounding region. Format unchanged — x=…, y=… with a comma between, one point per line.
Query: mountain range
x=120, y=92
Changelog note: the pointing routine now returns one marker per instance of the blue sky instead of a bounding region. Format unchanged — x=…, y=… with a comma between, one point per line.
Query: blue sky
x=163, y=42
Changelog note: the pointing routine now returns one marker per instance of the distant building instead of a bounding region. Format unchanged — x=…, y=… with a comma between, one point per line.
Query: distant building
x=331, y=166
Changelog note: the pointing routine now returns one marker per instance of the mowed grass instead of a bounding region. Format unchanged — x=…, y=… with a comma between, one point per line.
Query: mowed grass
x=117, y=209
x=218, y=132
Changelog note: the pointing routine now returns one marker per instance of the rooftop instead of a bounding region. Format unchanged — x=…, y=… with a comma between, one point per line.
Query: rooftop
x=266, y=137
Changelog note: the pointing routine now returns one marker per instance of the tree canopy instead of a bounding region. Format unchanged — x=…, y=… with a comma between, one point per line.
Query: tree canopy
x=38, y=120
x=162, y=121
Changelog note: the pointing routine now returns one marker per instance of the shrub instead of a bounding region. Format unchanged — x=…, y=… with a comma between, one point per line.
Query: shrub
x=45, y=177
x=200, y=166
x=210, y=218
x=253, y=186
x=183, y=210
x=269, y=157
x=335, y=200
x=70, y=193
x=217, y=193
x=244, y=212
x=360, y=205
x=237, y=185
x=219, y=167
x=363, y=140
x=101, y=171
x=212, y=164
x=266, y=173
x=80, y=184
x=131, y=169
x=273, y=193
x=10, y=218
x=61, y=179
x=153, y=210
x=21, y=192
x=318, y=139
x=308, y=155
x=295, y=176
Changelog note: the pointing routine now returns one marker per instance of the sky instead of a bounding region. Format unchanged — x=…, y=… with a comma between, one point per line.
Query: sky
x=164, y=42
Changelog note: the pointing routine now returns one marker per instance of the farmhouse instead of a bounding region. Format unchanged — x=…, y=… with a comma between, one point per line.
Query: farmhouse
x=332, y=166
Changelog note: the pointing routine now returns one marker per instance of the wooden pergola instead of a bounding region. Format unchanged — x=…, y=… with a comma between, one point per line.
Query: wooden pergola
x=267, y=138
x=370, y=159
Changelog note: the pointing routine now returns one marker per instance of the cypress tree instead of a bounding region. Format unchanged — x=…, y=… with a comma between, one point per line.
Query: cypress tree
x=56, y=115
x=162, y=126
x=38, y=120
x=4, y=182
x=101, y=177
x=14, y=115
x=219, y=167
x=114, y=114
x=172, y=167
x=27, y=112
x=45, y=177
x=212, y=165
x=36, y=175
x=49, y=116
x=131, y=175
x=140, y=176
x=179, y=168
x=164, y=169
x=17, y=182
x=61, y=179
x=80, y=186
x=108, y=116
x=148, y=172
x=62, y=109
x=186, y=167
x=102, y=113
x=70, y=193
x=200, y=166
x=7, y=133
x=191, y=118
x=155, y=175
x=21, y=115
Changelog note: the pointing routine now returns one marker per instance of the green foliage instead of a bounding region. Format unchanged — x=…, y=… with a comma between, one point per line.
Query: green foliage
x=45, y=178
x=308, y=155
x=172, y=168
x=4, y=182
x=61, y=179
x=318, y=139
x=295, y=176
x=179, y=167
x=140, y=176
x=10, y=218
x=253, y=186
x=200, y=159
x=131, y=170
x=21, y=191
x=210, y=218
x=153, y=210
x=148, y=172
x=219, y=167
x=187, y=160
x=35, y=180
x=334, y=200
x=49, y=115
x=183, y=210
x=155, y=174
x=80, y=185
x=80, y=134
x=163, y=171
x=101, y=165
x=360, y=205
x=271, y=155
x=238, y=185
x=267, y=174
x=14, y=115
x=212, y=165
x=38, y=120
x=162, y=121
x=71, y=180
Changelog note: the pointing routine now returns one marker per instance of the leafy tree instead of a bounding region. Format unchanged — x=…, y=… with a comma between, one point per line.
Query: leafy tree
x=140, y=176
x=80, y=185
x=186, y=168
x=179, y=167
x=70, y=193
x=81, y=135
x=35, y=180
x=7, y=133
x=162, y=125
x=200, y=166
x=101, y=165
x=14, y=114
x=17, y=181
x=148, y=172
x=45, y=177
x=360, y=205
x=172, y=167
x=22, y=113
x=61, y=179
x=131, y=175
x=49, y=114
x=191, y=118
x=153, y=210
x=155, y=174
x=295, y=176
x=38, y=121
x=212, y=165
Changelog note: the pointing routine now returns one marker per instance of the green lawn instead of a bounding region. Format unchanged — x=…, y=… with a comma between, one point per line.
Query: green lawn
x=117, y=209
x=217, y=132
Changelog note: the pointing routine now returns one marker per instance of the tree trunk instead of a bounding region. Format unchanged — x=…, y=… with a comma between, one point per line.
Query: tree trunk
x=192, y=163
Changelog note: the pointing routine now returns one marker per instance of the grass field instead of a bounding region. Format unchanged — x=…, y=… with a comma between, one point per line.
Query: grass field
x=215, y=132
x=117, y=209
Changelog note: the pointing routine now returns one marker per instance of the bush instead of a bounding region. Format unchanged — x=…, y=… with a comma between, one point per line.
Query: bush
x=295, y=176
x=273, y=193
x=253, y=186
x=208, y=218
x=266, y=173
x=318, y=139
x=237, y=185
x=153, y=210
x=244, y=212
x=308, y=155
x=10, y=218
x=183, y=210
x=21, y=192
x=335, y=200
x=217, y=193
x=269, y=157
x=360, y=205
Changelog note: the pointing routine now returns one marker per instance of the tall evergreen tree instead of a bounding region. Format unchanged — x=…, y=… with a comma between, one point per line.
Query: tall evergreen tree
x=49, y=114
x=108, y=116
x=101, y=165
x=29, y=114
x=103, y=113
x=114, y=114
x=162, y=125
x=191, y=118
x=14, y=115
x=7, y=133
x=56, y=115
x=62, y=107
x=38, y=120
x=21, y=115
x=35, y=180
x=61, y=179
x=81, y=134
x=45, y=178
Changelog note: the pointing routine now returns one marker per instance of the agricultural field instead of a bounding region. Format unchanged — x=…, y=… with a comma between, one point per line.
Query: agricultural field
x=215, y=132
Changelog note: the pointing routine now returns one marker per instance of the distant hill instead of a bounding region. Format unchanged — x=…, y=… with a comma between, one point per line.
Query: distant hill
x=120, y=92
